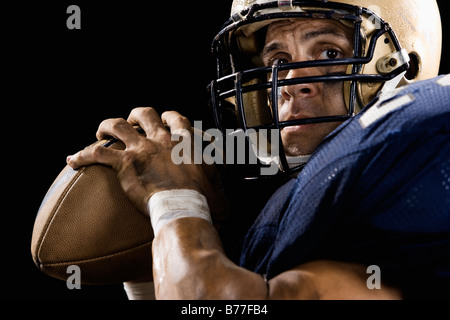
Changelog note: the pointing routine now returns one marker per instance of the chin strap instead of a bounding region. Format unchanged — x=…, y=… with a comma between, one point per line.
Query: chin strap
x=295, y=162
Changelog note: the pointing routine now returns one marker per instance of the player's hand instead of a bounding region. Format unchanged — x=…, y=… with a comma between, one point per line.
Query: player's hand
x=145, y=167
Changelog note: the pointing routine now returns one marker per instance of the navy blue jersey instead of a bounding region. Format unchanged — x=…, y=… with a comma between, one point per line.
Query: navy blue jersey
x=376, y=192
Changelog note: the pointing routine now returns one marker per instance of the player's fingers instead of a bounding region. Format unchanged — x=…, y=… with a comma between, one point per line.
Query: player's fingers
x=149, y=120
x=93, y=155
x=177, y=123
x=119, y=129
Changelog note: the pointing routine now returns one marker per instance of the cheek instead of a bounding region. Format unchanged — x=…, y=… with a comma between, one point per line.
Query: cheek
x=333, y=97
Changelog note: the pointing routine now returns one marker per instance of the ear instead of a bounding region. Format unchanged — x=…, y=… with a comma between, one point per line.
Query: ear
x=414, y=67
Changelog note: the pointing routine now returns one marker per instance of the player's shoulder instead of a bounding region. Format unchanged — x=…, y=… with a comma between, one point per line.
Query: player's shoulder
x=408, y=106
x=397, y=119
x=419, y=108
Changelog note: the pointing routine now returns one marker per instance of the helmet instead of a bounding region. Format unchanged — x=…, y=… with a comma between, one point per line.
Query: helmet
x=396, y=42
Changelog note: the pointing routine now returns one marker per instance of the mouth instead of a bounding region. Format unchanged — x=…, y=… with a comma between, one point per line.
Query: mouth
x=310, y=121
x=298, y=128
x=298, y=123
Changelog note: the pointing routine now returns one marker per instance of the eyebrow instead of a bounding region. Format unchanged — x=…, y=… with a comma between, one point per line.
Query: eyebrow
x=274, y=46
x=324, y=31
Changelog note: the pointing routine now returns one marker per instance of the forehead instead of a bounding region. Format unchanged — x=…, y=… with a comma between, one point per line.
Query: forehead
x=304, y=26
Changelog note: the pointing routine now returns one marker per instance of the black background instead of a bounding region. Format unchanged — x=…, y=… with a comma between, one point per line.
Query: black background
x=59, y=84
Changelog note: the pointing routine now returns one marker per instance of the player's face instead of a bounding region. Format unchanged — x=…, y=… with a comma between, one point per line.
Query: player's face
x=302, y=40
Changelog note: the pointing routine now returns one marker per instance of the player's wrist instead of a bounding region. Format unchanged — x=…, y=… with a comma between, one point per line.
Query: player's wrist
x=169, y=205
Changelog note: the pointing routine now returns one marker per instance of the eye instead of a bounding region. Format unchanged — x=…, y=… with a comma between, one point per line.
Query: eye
x=278, y=61
x=330, y=54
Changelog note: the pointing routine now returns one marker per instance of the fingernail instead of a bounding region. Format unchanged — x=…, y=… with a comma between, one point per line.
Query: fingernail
x=68, y=159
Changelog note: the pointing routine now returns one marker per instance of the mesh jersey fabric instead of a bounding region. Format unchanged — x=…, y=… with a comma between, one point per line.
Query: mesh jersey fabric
x=376, y=192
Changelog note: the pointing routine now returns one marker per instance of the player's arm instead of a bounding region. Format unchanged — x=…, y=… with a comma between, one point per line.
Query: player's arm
x=189, y=263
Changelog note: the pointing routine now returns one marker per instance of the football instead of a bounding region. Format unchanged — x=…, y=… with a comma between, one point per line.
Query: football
x=86, y=220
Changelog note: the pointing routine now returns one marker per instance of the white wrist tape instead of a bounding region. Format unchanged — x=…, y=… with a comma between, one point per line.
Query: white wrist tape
x=139, y=290
x=170, y=205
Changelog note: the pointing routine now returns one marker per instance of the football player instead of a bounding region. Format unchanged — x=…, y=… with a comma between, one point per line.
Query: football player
x=363, y=135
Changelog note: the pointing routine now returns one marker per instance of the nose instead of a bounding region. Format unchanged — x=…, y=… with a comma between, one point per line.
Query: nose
x=302, y=90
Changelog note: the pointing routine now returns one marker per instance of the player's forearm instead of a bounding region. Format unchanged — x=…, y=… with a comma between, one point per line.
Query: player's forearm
x=189, y=263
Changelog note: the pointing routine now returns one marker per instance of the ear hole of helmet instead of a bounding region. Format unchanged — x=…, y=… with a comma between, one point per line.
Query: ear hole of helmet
x=414, y=67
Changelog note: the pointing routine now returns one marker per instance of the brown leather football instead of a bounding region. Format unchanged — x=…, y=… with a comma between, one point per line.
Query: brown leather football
x=86, y=220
